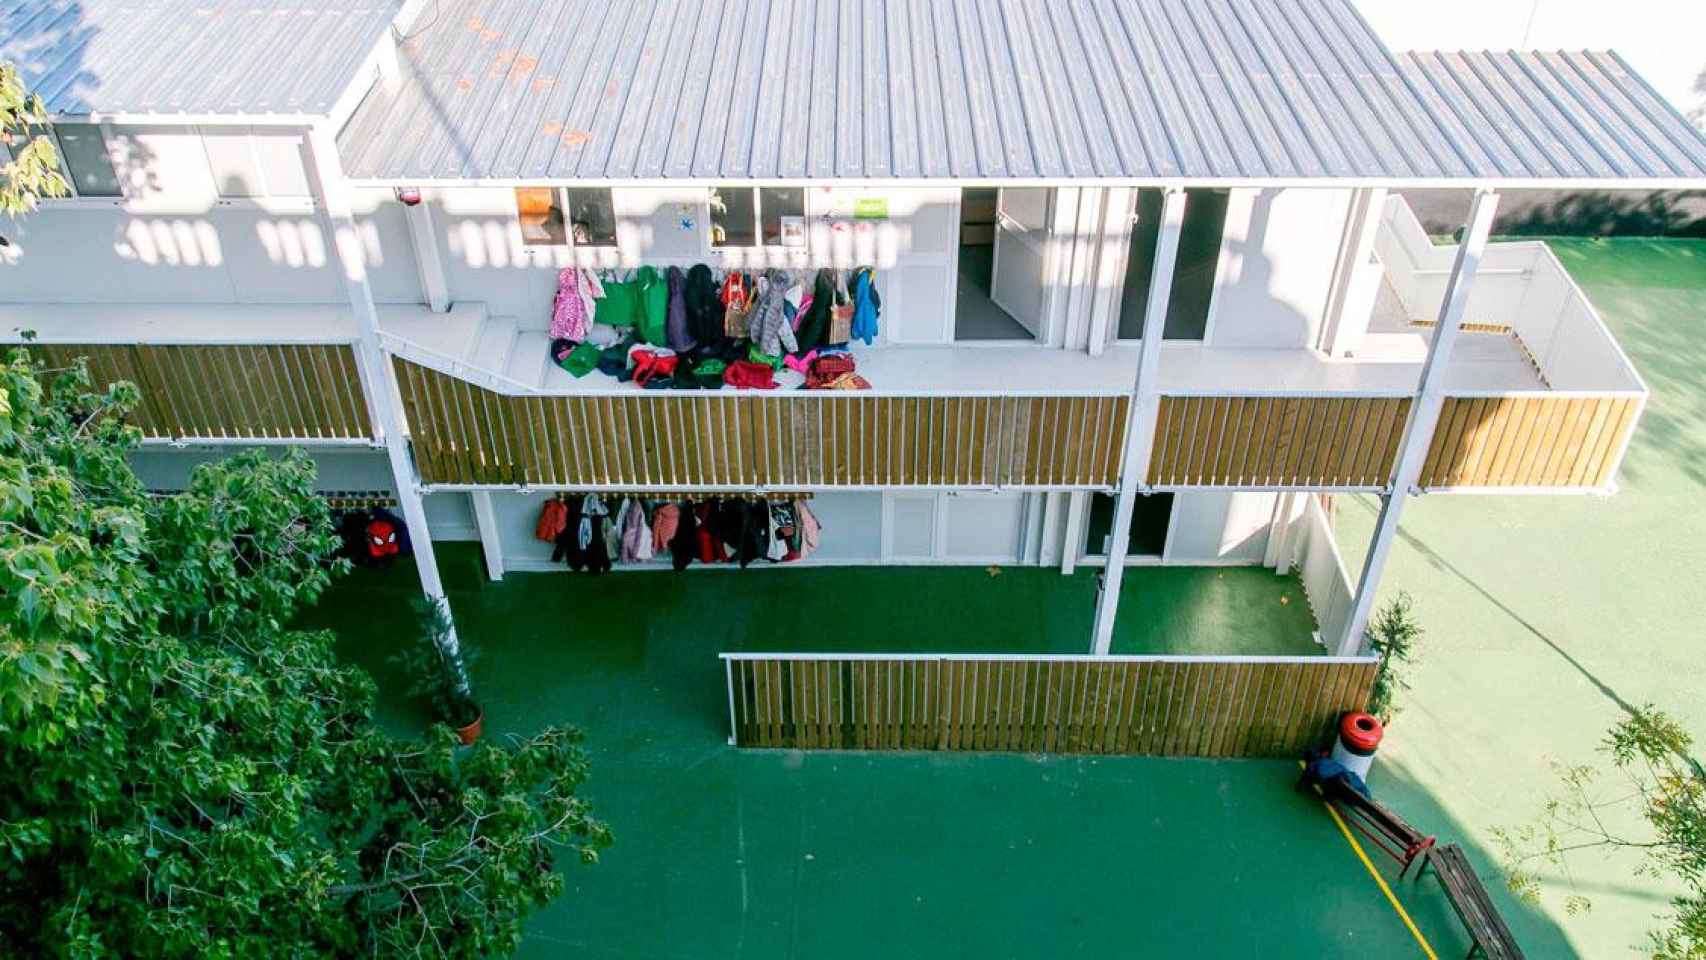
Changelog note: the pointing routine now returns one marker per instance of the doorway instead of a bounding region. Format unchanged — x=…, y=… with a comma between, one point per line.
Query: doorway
x=1200, y=240
x=1151, y=516
x=1000, y=264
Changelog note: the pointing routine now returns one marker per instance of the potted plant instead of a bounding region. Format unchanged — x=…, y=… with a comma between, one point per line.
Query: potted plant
x=438, y=675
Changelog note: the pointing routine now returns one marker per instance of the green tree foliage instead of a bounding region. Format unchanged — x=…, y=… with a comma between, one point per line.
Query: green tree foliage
x=1650, y=801
x=1392, y=637
x=182, y=775
x=33, y=171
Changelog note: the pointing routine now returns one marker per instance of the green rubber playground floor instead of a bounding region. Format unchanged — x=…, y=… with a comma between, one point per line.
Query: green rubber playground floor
x=728, y=853
x=1547, y=616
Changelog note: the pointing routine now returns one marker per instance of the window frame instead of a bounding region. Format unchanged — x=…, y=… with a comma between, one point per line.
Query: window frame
x=1214, y=287
x=711, y=246
x=105, y=132
x=560, y=199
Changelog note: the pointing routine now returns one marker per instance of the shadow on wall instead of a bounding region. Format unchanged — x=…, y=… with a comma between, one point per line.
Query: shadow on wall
x=1561, y=213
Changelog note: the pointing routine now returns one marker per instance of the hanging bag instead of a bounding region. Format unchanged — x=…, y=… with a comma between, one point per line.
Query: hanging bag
x=621, y=304
x=841, y=313
x=737, y=303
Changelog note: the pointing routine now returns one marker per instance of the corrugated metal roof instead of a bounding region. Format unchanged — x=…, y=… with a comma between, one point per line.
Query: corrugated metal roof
x=176, y=57
x=989, y=89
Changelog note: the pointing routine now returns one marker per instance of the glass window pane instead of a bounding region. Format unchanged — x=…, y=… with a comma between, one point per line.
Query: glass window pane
x=282, y=166
x=235, y=173
x=1193, y=273
x=85, y=153
x=592, y=215
x=733, y=219
x=541, y=216
x=1199, y=256
x=774, y=203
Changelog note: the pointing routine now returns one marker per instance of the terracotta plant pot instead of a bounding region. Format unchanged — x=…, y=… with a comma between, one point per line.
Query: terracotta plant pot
x=471, y=732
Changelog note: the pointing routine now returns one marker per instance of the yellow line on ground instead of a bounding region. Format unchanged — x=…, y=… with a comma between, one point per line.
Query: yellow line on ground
x=1390, y=897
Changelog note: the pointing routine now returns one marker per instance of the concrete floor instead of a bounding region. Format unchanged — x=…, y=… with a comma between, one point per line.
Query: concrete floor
x=731, y=853
x=976, y=317
x=1548, y=616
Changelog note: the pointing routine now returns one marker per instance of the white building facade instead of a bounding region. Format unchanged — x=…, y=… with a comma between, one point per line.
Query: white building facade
x=1145, y=295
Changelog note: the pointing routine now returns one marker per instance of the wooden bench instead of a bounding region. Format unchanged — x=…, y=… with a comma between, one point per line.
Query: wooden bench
x=1492, y=939
x=1390, y=833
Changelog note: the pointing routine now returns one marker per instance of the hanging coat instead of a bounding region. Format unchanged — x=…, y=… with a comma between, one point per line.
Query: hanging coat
x=675, y=323
x=573, y=310
x=703, y=305
x=685, y=544
x=810, y=532
x=636, y=537
x=867, y=305
x=768, y=324
x=664, y=521
x=814, y=326
x=568, y=541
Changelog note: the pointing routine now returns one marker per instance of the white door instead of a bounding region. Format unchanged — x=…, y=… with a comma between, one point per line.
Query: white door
x=965, y=528
x=1019, y=281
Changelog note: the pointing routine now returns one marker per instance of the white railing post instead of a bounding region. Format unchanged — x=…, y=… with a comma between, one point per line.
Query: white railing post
x=376, y=363
x=1140, y=417
x=1424, y=417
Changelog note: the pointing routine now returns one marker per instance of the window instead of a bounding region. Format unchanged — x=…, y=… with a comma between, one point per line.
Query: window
x=581, y=217
x=541, y=216
x=84, y=150
x=592, y=216
x=1193, y=273
x=745, y=216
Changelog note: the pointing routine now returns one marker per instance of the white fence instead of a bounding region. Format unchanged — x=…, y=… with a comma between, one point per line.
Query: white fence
x=1325, y=579
x=1522, y=285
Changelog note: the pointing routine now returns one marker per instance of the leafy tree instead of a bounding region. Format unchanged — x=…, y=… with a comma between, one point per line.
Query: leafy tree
x=183, y=775
x=1393, y=637
x=1651, y=801
x=33, y=171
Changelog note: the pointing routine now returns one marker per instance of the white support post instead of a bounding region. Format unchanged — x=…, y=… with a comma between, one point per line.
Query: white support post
x=1356, y=279
x=486, y=521
x=1279, y=535
x=429, y=260
x=1077, y=505
x=1111, y=244
x=378, y=375
x=1424, y=417
x=1086, y=230
x=1140, y=417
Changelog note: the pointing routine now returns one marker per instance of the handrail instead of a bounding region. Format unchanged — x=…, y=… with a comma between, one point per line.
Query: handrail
x=1053, y=657
x=413, y=350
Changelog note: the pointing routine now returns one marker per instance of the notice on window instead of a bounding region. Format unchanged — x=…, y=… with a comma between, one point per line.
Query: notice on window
x=793, y=231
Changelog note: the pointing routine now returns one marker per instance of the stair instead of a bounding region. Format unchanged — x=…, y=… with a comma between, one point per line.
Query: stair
x=529, y=358
x=466, y=343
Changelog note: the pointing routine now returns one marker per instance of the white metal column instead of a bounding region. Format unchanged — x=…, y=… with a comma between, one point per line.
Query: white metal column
x=1355, y=279
x=376, y=363
x=1140, y=418
x=429, y=260
x=486, y=522
x=1424, y=417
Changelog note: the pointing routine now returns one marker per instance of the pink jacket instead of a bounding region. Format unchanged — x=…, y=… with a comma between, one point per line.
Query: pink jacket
x=572, y=314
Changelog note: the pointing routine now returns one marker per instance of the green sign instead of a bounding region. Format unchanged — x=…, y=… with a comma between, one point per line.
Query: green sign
x=871, y=208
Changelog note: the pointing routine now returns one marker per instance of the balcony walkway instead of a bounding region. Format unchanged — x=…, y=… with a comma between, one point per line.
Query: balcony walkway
x=758, y=853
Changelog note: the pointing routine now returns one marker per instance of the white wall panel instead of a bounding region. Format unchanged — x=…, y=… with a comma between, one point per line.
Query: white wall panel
x=1276, y=270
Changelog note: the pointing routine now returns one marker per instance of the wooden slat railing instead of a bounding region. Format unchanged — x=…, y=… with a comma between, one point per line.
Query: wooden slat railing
x=1277, y=441
x=1530, y=441
x=296, y=392
x=1155, y=706
x=465, y=434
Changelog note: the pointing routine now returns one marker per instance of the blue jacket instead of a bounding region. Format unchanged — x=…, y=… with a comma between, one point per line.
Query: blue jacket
x=867, y=305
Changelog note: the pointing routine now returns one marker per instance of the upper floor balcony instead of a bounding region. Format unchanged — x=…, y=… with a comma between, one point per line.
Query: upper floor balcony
x=1539, y=397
